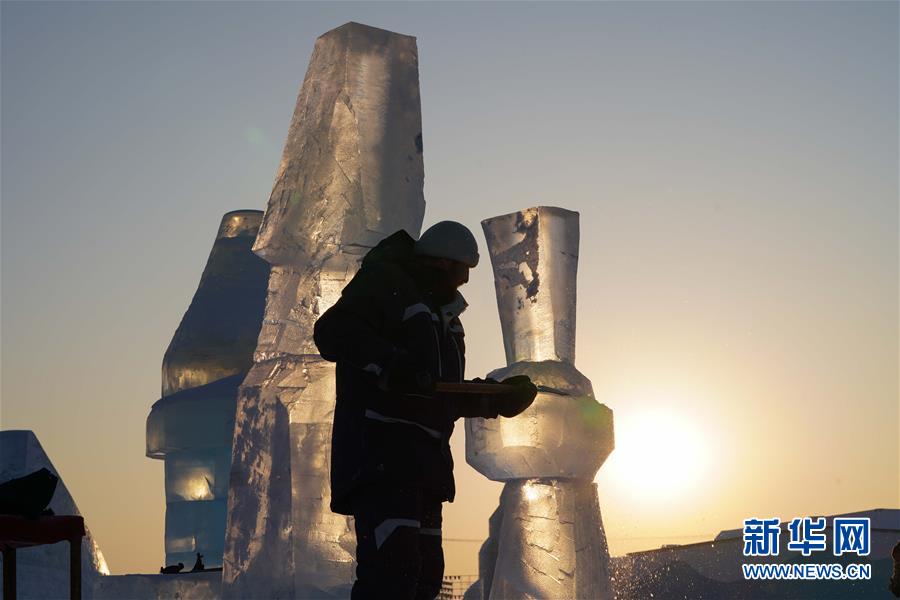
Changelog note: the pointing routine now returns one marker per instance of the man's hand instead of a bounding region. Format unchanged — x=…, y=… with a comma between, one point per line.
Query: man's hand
x=516, y=402
x=480, y=401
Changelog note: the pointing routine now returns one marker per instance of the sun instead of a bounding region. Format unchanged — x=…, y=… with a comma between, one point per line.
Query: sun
x=660, y=454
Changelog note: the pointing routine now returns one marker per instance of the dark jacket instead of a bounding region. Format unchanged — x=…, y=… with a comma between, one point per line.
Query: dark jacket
x=380, y=435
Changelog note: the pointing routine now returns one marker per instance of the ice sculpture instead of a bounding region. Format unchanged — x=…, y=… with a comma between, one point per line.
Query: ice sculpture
x=351, y=174
x=546, y=538
x=191, y=426
x=43, y=571
x=202, y=585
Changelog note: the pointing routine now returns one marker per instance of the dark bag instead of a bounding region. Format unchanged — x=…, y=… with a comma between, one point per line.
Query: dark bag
x=28, y=496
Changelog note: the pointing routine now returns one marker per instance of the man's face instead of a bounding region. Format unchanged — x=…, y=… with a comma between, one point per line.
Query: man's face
x=452, y=275
x=458, y=274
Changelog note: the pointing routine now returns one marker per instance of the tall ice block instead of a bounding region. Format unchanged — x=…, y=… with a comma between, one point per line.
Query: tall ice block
x=534, y=253
x=546, y=537
x=192, y=425
x=351, y=174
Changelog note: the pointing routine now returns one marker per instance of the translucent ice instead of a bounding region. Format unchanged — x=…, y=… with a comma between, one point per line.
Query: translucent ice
x=558, y=436
x=546, y=538
x=217, y=334
x=351, y=172
x=546, y=541
x=350, y=175
x=534, y=254
x=192, y=425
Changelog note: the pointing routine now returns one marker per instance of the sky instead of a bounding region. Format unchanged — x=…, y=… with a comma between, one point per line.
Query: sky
x=735, y=166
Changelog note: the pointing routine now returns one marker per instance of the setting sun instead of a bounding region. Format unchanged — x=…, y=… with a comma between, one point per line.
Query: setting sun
x=660, y=454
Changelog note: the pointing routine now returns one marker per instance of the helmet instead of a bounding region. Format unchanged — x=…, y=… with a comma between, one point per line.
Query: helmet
x=449, y=239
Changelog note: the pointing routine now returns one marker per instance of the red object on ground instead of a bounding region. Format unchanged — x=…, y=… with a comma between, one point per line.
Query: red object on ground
x=19, y=532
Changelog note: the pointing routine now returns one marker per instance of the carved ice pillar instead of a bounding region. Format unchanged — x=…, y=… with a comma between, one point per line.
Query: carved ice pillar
x=191, y=426
x=351, y=174
x=546, y=538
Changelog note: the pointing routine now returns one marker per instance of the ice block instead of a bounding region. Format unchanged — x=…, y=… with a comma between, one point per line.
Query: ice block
x=350, y=175
x=546, y=538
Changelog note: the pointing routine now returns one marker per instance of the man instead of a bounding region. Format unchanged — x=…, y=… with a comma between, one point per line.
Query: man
x=394, y=333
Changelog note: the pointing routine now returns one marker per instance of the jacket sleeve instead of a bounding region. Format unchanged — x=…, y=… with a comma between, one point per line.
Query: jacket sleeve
x=477, y=405
x=351, y=329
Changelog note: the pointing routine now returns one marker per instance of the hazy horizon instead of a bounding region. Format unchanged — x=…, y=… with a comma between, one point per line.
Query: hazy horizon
x=735, y=166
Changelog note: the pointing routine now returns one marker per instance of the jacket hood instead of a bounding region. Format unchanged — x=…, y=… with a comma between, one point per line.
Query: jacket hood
x=395, y=248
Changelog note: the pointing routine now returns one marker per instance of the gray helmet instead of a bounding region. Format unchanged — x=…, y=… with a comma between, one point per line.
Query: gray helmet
x=449, y=239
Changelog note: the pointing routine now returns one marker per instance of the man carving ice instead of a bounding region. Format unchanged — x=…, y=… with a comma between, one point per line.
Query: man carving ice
x=396, y=336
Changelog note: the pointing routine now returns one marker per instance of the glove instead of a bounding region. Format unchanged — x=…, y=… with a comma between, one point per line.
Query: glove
x=473, y=406
x=404, y=375
x=516, y=402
